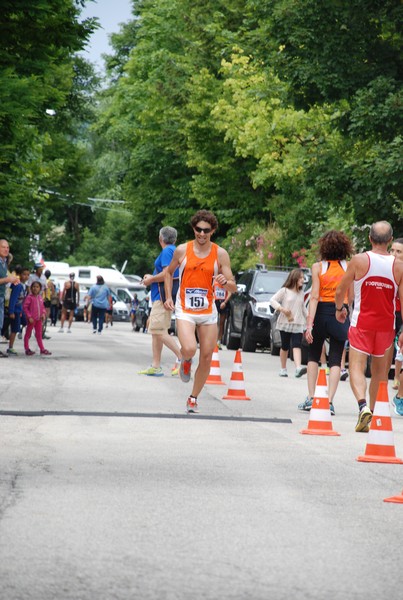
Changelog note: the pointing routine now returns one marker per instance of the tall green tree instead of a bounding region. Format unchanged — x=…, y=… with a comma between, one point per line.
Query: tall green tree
x=38, y=40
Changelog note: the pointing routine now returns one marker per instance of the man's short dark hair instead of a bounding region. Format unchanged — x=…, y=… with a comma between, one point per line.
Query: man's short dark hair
x=204, y=215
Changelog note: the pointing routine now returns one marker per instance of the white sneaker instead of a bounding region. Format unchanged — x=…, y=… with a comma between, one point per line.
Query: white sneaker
x=300, y=371
x=61, y=330
x=283, y=373
x=69, y=330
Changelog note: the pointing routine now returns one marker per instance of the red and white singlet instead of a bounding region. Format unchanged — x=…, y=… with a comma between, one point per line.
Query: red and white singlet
x=375, y=295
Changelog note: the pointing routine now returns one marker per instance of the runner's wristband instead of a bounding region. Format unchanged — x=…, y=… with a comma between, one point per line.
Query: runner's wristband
x=339, y=309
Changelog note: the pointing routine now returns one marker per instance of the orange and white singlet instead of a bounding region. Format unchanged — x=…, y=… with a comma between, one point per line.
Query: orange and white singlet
x=375, y=295
x=331, y=273
x=196, y=277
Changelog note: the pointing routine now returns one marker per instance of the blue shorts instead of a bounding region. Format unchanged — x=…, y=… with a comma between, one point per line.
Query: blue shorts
x=15, y=323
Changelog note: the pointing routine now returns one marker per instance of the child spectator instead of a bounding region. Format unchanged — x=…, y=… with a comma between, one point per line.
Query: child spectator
x=289, y=302
x=35, y=313
x=18, y=293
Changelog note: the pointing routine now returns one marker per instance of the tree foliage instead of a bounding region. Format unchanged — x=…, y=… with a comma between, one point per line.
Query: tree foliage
x=283, y=117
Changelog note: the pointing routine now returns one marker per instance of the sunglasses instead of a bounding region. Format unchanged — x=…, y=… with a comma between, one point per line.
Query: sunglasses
x=203, y=229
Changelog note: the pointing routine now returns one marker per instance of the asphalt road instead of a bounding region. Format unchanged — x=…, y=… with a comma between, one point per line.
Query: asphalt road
x=112, y=492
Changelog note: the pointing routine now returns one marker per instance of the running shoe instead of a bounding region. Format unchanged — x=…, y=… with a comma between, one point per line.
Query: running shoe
x=153, y=371
x=343, y=375
x=398, y=405
x=46, y=352
x=364, y=419
x=283, y=373
x=69, y=330
x=191, y=405
x=61, y=330
x=29, y=352
x=175, y=370
x=395, y=384
x=219, y=345
x=12, y=352
x=331, y=408
x=185, y=370
x=300, y=371
x=306, y=404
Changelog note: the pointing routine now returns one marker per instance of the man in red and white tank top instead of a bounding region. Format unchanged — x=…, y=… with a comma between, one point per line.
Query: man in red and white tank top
x=377, y=278
x=201, y=264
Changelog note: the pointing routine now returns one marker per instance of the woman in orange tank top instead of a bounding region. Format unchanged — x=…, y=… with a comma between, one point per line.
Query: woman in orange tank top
x=201, y=263
x=334, y=248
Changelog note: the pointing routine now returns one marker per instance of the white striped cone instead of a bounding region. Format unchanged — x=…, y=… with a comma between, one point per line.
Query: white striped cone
x=236, y=388
x=381, y=446
x=215, y=371
x=320, y=418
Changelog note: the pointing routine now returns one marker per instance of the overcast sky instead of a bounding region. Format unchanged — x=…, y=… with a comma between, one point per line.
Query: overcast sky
x=110, y=14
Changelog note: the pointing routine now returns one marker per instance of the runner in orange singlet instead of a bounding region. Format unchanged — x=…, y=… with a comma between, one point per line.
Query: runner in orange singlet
x=201, y=263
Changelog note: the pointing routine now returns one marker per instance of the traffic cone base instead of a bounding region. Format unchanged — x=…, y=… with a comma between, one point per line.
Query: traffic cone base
x=380, y=459
x=380, y=446
x=236, y=389
x=318, y=432
x=214, y=377
x=320, y=419
x=396, y=499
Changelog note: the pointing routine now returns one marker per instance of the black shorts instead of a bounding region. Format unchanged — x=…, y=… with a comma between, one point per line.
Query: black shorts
x=47, y=303
x=326, y=326
x=220, y=311
x=69, y=305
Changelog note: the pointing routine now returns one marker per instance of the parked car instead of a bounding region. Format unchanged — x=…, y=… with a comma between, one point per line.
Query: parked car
x=249, y=323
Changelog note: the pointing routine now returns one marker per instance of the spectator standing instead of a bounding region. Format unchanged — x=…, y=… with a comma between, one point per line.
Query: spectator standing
x=133, y=310
x=377, y=276
x=35, y=314
x=18, y=293
x=290, y=303
x=5, y=279
x=160, y=317
x=54, y=303
x=39, y=276
x=70, y=300
x=99, y=294
x=334, y=248
x=201, y=263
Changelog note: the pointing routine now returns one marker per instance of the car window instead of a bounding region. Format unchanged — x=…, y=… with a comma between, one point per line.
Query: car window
x=124, y=296
x=269, y=283
x=246, y=279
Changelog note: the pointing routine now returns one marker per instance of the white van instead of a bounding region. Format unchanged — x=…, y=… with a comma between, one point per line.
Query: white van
x=86, y=276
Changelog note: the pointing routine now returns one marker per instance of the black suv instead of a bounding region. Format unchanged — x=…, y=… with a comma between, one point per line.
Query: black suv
x=249, y=322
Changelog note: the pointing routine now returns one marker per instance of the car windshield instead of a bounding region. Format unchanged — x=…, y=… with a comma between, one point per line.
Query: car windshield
x=269, y=283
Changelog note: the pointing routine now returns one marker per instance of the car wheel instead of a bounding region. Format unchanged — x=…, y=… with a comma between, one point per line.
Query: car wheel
x=231, y=342
x=247, y=343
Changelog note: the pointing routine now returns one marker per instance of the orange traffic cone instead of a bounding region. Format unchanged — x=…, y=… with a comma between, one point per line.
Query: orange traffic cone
x=397, y=499
x=380, y=446
x=320, y=419
x=236, y=389
x=215, y=372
